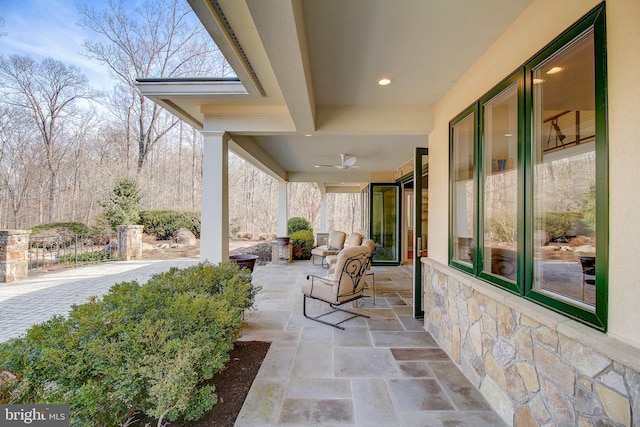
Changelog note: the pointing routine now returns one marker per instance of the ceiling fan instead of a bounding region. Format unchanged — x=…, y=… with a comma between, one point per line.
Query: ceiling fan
x=346, y=163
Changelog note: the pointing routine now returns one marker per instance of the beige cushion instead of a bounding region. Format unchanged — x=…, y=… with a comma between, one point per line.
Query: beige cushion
x=344, y=285
x=354, y=239
x=336, y=288
x=336, y=239
x=336, y=243
x=370, y=245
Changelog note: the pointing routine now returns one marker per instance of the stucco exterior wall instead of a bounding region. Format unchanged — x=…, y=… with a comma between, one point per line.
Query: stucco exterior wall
x=543, y=21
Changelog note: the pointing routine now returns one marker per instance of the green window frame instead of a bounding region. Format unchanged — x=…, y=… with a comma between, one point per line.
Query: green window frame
x=506, y=174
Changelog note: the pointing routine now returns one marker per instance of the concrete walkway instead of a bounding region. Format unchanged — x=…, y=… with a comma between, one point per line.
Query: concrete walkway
x=37, y=299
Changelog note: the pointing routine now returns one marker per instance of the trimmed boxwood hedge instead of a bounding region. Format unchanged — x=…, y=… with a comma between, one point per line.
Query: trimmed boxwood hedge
x=162, y=223
x=142, y=348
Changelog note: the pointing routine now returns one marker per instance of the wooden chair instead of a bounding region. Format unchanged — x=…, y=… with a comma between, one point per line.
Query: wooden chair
x=345, y=285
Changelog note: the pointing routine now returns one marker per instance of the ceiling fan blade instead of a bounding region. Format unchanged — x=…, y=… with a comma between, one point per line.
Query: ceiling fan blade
x=350, y=162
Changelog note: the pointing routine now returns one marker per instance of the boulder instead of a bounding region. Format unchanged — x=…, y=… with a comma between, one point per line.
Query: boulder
x=184, y=237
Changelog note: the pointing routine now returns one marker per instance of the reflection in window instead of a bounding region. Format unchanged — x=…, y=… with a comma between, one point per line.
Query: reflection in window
x=463, y=190
x=384, y=222
x=564, y=173
x=500, y=187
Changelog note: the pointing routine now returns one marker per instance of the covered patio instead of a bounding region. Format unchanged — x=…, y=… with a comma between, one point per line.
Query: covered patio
x=384, y=371
x=394, y=84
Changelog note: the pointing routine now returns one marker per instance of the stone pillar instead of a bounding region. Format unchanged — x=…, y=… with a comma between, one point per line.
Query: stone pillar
x=129, y=242
x=14, y=255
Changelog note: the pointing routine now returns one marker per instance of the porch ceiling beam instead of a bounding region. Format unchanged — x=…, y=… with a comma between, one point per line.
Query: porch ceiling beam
x=281, y=28
x=248, y=119
x=246, y=147
x=383, y=120
x=341, y=176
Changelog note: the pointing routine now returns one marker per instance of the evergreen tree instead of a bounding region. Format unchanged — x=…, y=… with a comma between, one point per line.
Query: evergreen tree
x=123, y=205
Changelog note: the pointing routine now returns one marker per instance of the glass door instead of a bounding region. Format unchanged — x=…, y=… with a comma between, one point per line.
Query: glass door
x=384, y=228
x=420, y=229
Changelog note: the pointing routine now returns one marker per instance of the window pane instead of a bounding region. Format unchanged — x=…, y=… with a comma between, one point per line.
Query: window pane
x=463, y=194
x=384, y=222
x=564, y=245
x=500, y=187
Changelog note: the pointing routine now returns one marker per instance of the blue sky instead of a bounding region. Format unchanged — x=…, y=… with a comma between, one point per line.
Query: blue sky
x=41, y=28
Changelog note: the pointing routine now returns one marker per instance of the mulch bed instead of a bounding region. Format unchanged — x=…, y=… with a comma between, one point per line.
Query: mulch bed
x=232, y=386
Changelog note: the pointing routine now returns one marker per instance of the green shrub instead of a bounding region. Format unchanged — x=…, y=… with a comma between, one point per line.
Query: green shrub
x=146, y=348
x=87, y=257
x=56, y=235
x=301, y=244
x=558, y=225
x=163, y=223
x=503, y=226
x=296, y=224
x=59, y=228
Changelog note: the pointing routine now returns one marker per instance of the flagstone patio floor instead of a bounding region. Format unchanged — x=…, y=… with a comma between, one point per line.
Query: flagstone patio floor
x=382, y=371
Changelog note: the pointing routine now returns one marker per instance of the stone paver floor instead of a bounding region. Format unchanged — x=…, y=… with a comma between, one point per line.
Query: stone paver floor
x=382, y=371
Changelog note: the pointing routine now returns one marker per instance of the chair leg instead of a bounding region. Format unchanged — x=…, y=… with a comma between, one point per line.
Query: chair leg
x=335, y=309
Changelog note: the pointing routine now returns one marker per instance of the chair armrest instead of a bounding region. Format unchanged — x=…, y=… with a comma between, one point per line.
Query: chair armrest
x=323, y=279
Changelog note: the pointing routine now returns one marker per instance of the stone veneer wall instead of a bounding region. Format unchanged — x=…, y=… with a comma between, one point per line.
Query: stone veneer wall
x=534, y=366
x=14, y=255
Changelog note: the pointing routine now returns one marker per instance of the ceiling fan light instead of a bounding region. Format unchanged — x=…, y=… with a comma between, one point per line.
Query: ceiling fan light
x=555, y=70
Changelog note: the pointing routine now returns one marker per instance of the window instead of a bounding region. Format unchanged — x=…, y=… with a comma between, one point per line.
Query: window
x=537, y=222
x=463, y=189
x=500, y=130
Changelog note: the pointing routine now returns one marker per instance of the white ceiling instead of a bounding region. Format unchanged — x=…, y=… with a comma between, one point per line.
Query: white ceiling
x=317, y=62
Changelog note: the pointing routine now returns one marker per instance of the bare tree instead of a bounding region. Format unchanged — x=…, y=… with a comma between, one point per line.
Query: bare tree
x=47, y=91
x=159, y=39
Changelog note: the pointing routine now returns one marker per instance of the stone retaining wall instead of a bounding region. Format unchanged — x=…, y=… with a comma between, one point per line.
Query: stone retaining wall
x=534, y=366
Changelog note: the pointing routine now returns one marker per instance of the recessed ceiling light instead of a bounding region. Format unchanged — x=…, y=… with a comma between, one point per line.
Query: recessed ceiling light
x=316, y=166
x=508, y=134
x=538, y=81
x=308, y=134
x=555, y=70
x=385, y=81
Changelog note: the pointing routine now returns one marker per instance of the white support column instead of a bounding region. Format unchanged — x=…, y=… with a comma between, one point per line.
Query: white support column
x=283, y=208
x=323, y=213
x=214, y=232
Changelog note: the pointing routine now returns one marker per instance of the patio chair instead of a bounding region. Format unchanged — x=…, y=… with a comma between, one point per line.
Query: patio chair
x=588, y=264
x=345, y=285
x=353, y=239
x=371, y=247
x=336, y=243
